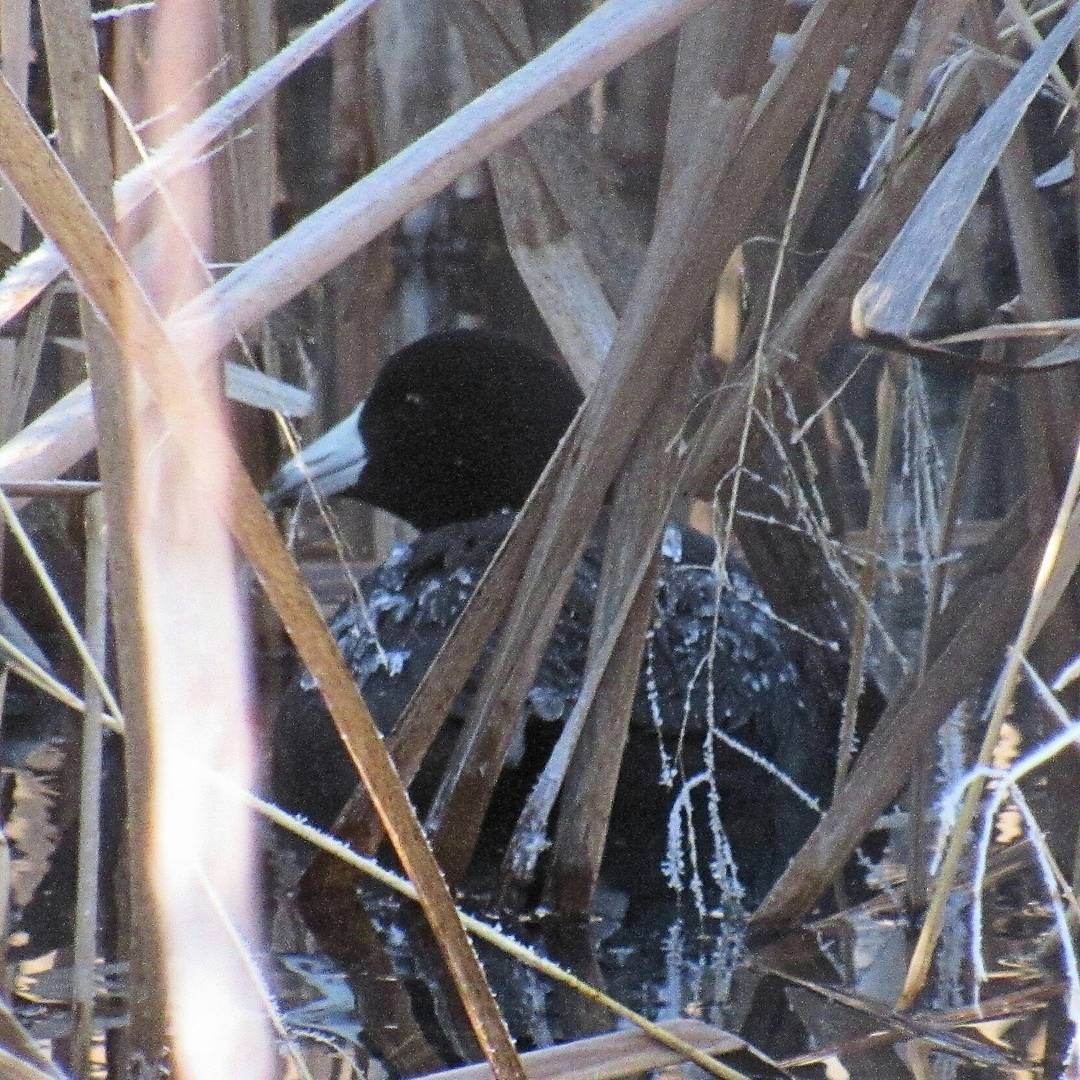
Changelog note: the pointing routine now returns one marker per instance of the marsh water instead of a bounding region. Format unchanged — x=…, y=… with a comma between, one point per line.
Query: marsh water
x=370, y=998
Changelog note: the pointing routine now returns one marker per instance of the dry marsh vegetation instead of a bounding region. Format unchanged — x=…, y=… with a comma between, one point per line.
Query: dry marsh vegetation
x=813, y=265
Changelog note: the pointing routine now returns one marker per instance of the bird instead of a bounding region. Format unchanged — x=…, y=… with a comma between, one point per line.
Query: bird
x=452, y=437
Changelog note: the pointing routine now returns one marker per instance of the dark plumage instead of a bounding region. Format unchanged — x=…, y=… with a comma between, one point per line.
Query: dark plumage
x=412, y=600
x=458, y=425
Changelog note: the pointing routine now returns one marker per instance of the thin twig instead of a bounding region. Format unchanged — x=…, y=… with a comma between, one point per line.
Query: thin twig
x=886, y=416
x=86, y=884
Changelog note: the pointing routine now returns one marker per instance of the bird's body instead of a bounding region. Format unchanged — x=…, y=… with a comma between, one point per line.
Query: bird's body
x=718, y=705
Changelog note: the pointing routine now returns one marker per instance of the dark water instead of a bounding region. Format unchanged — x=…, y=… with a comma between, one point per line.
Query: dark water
x=818, y=1001
x=371, y=993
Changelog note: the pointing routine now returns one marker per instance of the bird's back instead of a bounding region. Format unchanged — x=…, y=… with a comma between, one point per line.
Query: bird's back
x=717, y=692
